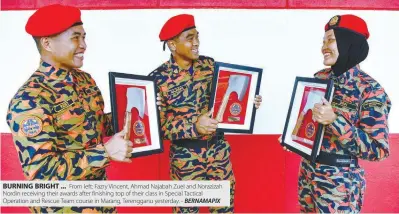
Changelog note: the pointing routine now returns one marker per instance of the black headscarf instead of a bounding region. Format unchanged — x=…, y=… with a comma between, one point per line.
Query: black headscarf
x=352, y=48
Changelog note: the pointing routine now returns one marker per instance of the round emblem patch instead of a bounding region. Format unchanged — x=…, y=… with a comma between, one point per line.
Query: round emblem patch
x=138, y=128
x=310, y=130
x=235, y=109
x=31, y=126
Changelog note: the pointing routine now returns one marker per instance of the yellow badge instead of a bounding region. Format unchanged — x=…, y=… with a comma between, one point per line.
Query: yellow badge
x=333, y=21
x=63, y=105
x=176, y=91
x=31, y=126
x=372, y=104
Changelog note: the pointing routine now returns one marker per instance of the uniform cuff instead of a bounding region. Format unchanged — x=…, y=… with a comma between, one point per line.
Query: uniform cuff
x=97, y=157
x=192, y=128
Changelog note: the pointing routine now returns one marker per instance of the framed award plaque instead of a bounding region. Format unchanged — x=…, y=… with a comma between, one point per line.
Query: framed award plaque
x=233, y=94
x=133, y=97
x=302, y=134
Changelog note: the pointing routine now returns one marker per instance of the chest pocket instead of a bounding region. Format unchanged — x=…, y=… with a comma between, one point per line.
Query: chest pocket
x=179, y=96
x=69, y=115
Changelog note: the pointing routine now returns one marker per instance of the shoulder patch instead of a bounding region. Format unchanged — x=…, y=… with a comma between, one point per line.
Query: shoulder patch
x=31, y=126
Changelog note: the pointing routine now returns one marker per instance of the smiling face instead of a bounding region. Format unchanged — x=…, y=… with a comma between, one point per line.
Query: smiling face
x=185, y=46
x=329, y=48
x=66, y=49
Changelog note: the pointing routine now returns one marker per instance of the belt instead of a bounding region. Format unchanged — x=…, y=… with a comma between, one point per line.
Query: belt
x=196, y=143
x=337, y=160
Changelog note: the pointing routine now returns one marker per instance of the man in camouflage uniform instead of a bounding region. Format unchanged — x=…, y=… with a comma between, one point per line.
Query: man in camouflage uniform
x=356, y=123
x=56, y=117
x=197, y=152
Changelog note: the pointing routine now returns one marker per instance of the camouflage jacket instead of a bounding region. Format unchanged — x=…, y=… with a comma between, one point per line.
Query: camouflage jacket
x=184, y=97
x=57, y=122
x=362, y=107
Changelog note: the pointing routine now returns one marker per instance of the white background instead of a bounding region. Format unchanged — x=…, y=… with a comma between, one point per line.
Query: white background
x=285, y=43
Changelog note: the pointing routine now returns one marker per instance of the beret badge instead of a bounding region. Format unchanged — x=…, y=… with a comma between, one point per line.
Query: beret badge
x=334, y=21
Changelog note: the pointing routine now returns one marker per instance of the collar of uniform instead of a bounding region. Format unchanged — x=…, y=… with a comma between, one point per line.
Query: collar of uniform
x=348, y=75
x=52, y=73
x=176, y=69
x=323, y=74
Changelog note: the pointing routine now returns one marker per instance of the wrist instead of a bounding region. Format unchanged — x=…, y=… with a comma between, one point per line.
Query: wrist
x=105, y=148
x=335, y=116
x=194, y=119
x=334, y=120
x=108, y=149
x=106, y=153
x=195, y=129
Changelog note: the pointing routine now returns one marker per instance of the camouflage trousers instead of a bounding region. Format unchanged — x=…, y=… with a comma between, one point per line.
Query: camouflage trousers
x=203, y=164
x=330, y=189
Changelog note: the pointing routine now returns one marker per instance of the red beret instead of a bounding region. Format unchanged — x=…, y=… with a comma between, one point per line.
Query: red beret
x=176, y=25
x=349, y=22
x=52, y=19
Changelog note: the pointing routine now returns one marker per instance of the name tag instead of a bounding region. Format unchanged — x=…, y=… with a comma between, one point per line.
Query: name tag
x=175, y=91
x=63, y=105
x=372, y=104
x=339, y=103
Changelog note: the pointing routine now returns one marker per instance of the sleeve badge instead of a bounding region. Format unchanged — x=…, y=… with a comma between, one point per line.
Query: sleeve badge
x=31, y=126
